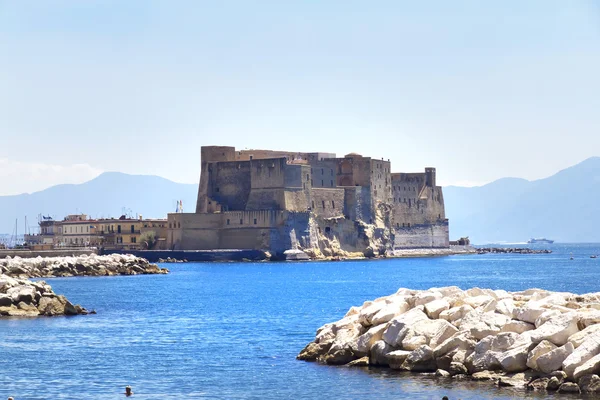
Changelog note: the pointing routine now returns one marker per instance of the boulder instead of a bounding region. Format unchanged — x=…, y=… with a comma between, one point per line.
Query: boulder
x=440, y=373
x=423, y=298
x=542, y=348
x=591, y=366
x=505, y=306
x=545, y=316
x=553, y=384
x=529, y=312
x=367, y=339
x=515, y=359
x=517, y=326
x=588, y=349
x=459, y=341
x=389, y=311
x=399, y=326
x=455, y=313
x=379, y=351
x=312, y=351
x=578, y=338
x=396, y=358
x=361, y=362
x=556, y=330
x=569, y=387
x=553, y=360
x=589, y=383
x=457, y=368
x=435, y=307
x=420, y=360
x=539, y=384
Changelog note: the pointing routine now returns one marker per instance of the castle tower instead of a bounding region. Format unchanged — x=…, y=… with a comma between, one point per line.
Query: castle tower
x=210, y=154
x=430, y=178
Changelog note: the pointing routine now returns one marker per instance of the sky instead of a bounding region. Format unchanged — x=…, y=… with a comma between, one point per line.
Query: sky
x=480, y=90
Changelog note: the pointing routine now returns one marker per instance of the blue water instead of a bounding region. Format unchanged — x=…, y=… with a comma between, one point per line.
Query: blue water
x=232, y=330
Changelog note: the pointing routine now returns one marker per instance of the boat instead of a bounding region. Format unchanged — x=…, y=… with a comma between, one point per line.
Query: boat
x=594, y=256
x=540, y=240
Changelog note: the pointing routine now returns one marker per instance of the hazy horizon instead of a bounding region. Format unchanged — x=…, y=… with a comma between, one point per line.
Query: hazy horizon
x=481, y=91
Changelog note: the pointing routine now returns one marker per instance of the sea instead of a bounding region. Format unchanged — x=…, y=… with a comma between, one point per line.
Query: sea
x=233, y=330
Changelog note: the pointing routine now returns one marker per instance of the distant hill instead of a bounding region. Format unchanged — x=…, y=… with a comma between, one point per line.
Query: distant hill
x=564, y=207
x=108, y=195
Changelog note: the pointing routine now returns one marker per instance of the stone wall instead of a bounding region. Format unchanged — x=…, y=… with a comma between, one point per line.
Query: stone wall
x=327, y=203
x=357, y=204
x=422, y=236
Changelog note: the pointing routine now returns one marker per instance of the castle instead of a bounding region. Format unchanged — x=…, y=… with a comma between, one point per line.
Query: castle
x=315, y=202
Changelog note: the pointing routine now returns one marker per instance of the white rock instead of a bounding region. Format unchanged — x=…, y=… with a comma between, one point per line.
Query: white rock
x=591, y=366
x=435, y=307
x=514, y=360
x=378, y=354
x=444, y=331
x=483, y=324
x=423, y=298
x=517, y=326
x=528, y=312
x=389, y=311
x=367, y=339
x=412, y=341
x=477, y=301
x=399, y=326
x=455, y=313
x=459, y=341
x=588, y=349
x=588, y=317
x=580, y=336
x=545, y=316
x=557, y=330
x=366, y=314
x=553, y=360
x=542, y=348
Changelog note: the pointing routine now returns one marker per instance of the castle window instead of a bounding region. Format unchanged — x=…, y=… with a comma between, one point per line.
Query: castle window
x=228, y=222
x=313, y=204
x=331, y=183
x=307, y=178
x=254, y=221
x=241, y=221
x=327, y=229
x=311, y=182
x=409, y=224
x=397, y=224
x=403, y=224
x=323, y=202
x=322, y=171
x=322, y=184
x=332, y=172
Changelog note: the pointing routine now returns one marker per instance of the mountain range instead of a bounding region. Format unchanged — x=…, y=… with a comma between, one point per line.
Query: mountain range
x=563, y=207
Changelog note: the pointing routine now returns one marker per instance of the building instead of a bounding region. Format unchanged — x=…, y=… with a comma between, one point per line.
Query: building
x=77, y=230
x=275, y=200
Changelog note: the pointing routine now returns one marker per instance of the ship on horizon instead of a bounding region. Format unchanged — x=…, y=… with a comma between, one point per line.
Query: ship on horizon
x=540, y=240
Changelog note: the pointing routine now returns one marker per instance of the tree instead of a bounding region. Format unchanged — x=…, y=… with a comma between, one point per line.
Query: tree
x=148, y=240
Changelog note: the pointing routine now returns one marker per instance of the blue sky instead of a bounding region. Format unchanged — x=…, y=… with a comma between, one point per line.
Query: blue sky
x=480, y=90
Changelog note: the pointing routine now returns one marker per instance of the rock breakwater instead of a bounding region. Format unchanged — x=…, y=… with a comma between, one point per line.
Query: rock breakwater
x=23, y=298
x=510, y=250
x=534, y=339
x=83, y=265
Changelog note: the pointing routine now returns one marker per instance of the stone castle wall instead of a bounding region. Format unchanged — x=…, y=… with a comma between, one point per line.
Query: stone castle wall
x=302, y=194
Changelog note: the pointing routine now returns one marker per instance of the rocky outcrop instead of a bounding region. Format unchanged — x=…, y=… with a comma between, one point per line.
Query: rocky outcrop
x=84, y=265
x=23, y=298
x=533, y=339
x=510, y=250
